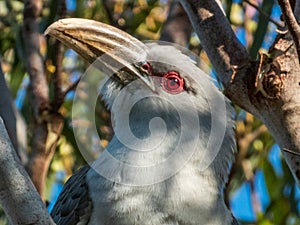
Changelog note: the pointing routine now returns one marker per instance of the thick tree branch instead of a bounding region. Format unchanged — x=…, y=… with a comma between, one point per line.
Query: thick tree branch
x=39, y=92
x=226, y=53
x=57, y=79
x=217, y=37
x=291, y=22
x=7, y=111
x=18, y=197
x=177, y=29
x=13, y=121
x=268, y=88
x=47, y=124
x=59, y=54
x=35, y=65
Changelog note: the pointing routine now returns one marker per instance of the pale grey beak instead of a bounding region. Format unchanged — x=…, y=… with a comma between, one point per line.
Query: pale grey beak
x=91, y=39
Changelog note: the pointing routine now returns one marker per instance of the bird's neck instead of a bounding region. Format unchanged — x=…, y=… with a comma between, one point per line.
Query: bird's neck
x=189, y=195
x=147, y=141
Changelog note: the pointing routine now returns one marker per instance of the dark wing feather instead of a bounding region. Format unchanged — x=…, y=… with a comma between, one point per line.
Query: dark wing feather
x=234, y=221
x=73, y=204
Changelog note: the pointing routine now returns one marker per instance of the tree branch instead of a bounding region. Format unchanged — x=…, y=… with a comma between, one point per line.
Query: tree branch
x=291, y=22
x=177, y=28
x=13, y=120
x=46, y=126
x=47, y=122
x=18, y=196
x=6, y=110
x=291, y=152
x=268, y=88
x=59, y=54
x=224, y=50
x=71, y=87
x=243, y=140
x=35, y=64
x=216, y=36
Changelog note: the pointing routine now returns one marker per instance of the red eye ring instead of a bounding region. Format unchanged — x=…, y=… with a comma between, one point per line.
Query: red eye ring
x=172, y=83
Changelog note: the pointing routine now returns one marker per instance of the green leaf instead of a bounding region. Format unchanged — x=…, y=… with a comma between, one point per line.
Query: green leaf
x=262, y=27
x=272, y=182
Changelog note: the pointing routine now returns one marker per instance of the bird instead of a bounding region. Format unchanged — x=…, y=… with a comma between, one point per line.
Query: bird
x=174, y=141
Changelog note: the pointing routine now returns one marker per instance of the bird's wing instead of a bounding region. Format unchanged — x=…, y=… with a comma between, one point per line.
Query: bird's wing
x=74, y=206
x=234, y=221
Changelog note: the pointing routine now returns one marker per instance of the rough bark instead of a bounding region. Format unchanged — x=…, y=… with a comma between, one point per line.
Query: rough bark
x=39, y=93
x=7, y=111
x=267, y=88
x=18, y=197
x=47, y=124
x=13, y=121
x=58, y=59
x=291, y=23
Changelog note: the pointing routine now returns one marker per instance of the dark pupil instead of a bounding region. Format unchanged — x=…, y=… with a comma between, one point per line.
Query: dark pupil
x=173, y=83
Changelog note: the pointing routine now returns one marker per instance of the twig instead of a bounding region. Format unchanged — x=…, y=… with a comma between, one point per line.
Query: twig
x=71, y=87
x=291, y=151
x=249, y=137
x=263, y=13
x=243, y=144
x=291, y=22
x=254, y=197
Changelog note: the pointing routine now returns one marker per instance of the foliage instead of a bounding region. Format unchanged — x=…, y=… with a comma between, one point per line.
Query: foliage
x=144, y=19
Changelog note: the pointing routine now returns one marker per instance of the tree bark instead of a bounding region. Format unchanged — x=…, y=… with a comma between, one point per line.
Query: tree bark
x=7, y=111
x=269, y=88
x=47, y=123
x=18, y=196
x=291, y=23
x=37, y=168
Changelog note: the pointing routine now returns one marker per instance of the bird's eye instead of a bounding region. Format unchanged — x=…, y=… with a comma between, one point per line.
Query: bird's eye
x=172, y=83
x=146, y=67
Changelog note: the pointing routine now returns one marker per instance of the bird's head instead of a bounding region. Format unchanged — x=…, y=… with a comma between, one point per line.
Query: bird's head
x=158, y=97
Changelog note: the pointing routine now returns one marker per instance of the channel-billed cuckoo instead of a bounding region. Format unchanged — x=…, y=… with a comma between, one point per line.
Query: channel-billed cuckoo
x=171, y=165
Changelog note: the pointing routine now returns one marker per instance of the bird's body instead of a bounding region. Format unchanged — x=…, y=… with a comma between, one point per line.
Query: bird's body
x=179, y=194
x=179, y=200
x=175, y=201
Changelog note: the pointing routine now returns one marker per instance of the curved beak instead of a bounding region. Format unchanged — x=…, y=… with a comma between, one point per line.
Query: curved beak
x=99, y=43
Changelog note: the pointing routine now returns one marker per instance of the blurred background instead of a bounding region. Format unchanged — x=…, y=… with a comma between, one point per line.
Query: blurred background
x=261, y=189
